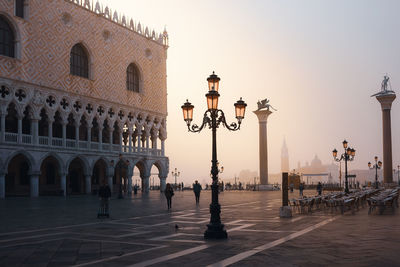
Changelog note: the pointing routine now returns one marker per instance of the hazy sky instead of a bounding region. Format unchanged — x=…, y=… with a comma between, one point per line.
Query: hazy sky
x=317, y=61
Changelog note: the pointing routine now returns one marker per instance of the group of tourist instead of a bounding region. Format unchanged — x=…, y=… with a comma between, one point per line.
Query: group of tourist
x=105, y=195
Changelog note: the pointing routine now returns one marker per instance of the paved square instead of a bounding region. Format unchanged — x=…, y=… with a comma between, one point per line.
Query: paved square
x=53, y=231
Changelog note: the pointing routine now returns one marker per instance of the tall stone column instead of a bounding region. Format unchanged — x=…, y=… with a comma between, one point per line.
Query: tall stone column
x=2, y=185
x=145, y=184
x=163, y=183
x=386, y=101
x=130, y=174
x=64, y=184
x=34, y=185
x=262, y=116
x=110, y=182
x=88, y=184
x=3, y=127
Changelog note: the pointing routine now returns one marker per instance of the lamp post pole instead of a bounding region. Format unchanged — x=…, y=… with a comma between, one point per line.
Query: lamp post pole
x=348, y=155
x=376, y=166
x=213, y=117
x=398, y=174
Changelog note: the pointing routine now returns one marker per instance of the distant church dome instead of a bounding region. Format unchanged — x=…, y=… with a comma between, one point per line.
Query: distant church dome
x=316, y=162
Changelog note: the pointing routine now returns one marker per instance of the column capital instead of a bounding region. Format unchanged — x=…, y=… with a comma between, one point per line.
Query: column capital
x=386, y=100
x=262, y=115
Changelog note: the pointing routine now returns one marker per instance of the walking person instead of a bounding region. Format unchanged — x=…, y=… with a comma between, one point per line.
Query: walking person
x=104, y=195
x=319, y=188
x=197, y=189
x=301, y=188
x=291, y=187
x=169, y=192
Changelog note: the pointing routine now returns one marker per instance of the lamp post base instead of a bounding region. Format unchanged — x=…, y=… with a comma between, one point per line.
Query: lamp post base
x=215, y=231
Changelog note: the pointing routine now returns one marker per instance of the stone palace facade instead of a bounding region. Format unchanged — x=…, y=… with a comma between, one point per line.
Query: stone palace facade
x=83, y=97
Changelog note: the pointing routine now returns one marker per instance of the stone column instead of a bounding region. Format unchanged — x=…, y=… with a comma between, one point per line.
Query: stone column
x=111, y=139
x=100, y=137
x=64, y=133
x=3, y=127
x=130, y=140
x=121, y=139
x=34, y=185
x=77, y=134
x=163, y=183
x=386, y=101
x=64, y=184
x=147, y=142
x=19, y=140
x=262, y=116
x=139, y=141
x=50, y=132
x=110, y=182
x=162, y=147
x=2, y=185
x=88, y=184
x=89, y=136
x=145, y=183
x=35, y=131
x=130, y=174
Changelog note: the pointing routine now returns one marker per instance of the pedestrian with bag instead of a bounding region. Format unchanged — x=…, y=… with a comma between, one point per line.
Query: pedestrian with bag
x=169, y=192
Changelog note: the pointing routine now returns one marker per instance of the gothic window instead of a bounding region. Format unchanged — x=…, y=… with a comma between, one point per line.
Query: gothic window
x=11, y=119
x=6, y=39
x=132, y=78
x=43, y=124
x=79, y=61
x=19, y=8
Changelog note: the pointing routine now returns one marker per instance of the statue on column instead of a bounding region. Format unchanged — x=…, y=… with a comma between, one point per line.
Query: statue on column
x=386, y=88
x=264, y=104
x=384, y=83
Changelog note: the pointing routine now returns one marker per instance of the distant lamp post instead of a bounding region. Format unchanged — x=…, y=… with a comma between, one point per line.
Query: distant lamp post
x=348, y=155
x=213, y=117
x=176, y=174
x=376, y=166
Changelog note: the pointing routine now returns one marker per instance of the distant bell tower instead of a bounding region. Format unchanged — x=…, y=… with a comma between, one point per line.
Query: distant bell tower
x=284, y=157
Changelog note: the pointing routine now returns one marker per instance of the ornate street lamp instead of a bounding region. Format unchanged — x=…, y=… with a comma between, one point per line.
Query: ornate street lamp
x=213, y=117
x=348, y=155
x=376, y=166
x=176, y=174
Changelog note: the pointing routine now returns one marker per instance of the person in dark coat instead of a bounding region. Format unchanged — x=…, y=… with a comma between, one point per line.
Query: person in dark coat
x=301, y=188
x=319, y=188
x=104, y=195
x=197, y=189
x=169, y=192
